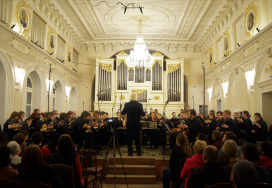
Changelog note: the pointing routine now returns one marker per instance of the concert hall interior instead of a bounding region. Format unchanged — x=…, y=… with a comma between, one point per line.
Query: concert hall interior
x=135, y=93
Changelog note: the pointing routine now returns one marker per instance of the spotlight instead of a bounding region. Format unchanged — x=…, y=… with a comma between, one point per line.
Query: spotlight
x=141, y=9
x=62, y=61
x=12, y=26
x=214, y=63
x=258, y=29
x=36, y=42
x=225, y=55
x=238, y=44
x=125, y=10
x=51, y=53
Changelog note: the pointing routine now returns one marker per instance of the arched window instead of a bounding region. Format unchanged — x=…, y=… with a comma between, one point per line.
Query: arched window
x=29, y=92
x=54, y=99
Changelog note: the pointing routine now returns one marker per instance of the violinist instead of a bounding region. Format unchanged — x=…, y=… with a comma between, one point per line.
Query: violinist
x=10, y=126
x=259, y=130
x=210, y=126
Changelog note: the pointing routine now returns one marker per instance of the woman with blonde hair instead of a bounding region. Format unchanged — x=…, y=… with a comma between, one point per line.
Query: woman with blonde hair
x=230, y=156
x=195, y=161
x=180, y=150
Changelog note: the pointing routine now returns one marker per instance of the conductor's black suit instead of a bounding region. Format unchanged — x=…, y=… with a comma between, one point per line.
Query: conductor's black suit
x=134, y=110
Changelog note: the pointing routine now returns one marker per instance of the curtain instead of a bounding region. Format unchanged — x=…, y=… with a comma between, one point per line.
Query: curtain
x=38, y=30
x=61, y=49
x=75, y=60
x=5, y=10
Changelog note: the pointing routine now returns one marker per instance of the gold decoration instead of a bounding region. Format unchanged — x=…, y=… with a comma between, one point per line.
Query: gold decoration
x=211, y=57
x=157, y=54
x=269, y=67
x=251, y=19
x=157, y=61
x=120, y=61
x=139, y=91
x=172, y=68
x=148, y=69
x=122, y=53
x=106, y=67
x=157, y=98
x=51, y=46
x=69, y=63
x=226, y=43
x=122, y=97
x=23, y=6
x=130, y=68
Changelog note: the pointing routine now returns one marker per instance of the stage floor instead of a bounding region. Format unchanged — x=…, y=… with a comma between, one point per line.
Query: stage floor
x=157, y=185
x=146, y=153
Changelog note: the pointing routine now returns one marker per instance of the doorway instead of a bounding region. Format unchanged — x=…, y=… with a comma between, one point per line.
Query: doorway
x=266, y=107
x=219, y=105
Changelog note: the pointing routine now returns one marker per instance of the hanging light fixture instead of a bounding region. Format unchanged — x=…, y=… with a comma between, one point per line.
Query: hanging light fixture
x=140, y=55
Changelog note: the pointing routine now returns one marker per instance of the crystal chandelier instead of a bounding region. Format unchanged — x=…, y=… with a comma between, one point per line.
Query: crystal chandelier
x=140, y=55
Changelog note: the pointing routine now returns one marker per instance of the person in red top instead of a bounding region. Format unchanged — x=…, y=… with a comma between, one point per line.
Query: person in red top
x=6, y=171
x=266, y=159
x=195, y=161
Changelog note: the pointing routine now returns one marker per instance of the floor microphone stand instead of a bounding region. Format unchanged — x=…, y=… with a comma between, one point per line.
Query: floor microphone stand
x=113, y=107
x=147, y=103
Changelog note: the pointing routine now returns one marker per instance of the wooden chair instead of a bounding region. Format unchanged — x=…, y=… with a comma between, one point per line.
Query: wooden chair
x=179, y=181
x=87, y=178
x=7, y=184
x=220, y=185
x=194, y=169
x=263, y=185
x=33, y=185
x=91, y=160
x=66, y=174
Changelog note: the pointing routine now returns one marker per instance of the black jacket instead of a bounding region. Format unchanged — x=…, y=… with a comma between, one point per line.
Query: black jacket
x=174, y=162
x=210, y=174
x=134, y=111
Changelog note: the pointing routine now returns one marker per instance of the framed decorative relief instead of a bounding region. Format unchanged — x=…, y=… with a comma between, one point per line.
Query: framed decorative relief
x=211, y=57
x=226, y=42
x=51, y=40
x=251, y=19
x=69, y=56
x=23, y=17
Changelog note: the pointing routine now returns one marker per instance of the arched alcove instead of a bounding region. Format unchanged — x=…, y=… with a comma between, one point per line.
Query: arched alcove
x=58, y=95
x=2, y=94
x=73, y=100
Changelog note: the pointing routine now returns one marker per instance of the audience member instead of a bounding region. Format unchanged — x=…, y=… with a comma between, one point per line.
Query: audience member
x=211, y=173
x=266, y=159
x=15, y=152
x=66, y=155
x=20, y=139
x=244, y=174
x=3, y=139
x=180, y=150
x=6, y=171
x=202, y=137
x=230, y=156
x=230, y=136
x=37, y=138
x=217, y=139
x=195, y=161
x=250, y=153
x=35, y=170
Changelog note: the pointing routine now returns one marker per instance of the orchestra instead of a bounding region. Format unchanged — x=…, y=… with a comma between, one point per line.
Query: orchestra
x=93, y=129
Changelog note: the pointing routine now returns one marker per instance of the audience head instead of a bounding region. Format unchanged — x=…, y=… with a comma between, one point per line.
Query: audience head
x=85, y=115
x=210, y=154
x=66, y=144
x=219, y=115
x=216, y=135
x=20, y=139
x=267, y=148
x=227, y=114
x=37, y=138
x=244, y=174
x=14, y=148
x=230, y=148
x=250, y=152
x=229, y=136
x=133, y=96
x=32, y=157
x=24, y=132
x=3, y=139
x=203, y=137
x=199, y=146
x=181, y=140
x=192, y=113
x=5, y=156
x=258, y=117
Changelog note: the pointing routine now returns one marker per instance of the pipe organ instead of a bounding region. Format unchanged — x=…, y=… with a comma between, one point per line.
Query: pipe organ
x=153, y=85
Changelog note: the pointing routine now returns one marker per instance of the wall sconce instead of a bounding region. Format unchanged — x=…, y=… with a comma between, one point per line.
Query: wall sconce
x=49, y=82
x=15, y=28
x=19, y=74
x=51, y=53
x=225, y=86
x=225, y=55
x=36, y=42
x=68, y=89
x=210, y=92
x=250, y=76
x=238, y=44
x=258, y=29
x=214, y=63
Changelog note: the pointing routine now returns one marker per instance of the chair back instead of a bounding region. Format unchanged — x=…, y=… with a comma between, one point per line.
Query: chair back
x=34, y=185
x=262, y=185
x=91, y=156
x=220, y=185
x=7, y=183
x=66, y=174
x=194, y=169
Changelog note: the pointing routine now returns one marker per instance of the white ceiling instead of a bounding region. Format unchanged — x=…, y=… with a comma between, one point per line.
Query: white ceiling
x=182, y=21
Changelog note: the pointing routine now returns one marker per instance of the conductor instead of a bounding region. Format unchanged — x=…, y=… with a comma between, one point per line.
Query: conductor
x=134, y=110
